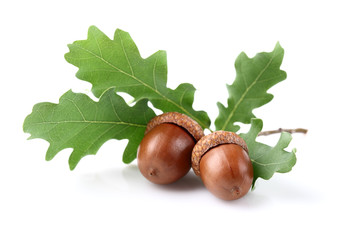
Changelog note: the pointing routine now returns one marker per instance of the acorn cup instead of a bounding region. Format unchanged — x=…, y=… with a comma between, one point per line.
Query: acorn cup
x=164, y=154
x=221, y=160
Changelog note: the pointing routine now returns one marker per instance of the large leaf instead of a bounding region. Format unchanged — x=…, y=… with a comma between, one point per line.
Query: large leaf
x=268, y=160
x=80, y=123
x=254, y=76
x=117, y=63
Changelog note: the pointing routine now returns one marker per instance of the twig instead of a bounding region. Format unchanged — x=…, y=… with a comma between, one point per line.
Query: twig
x=296, y=130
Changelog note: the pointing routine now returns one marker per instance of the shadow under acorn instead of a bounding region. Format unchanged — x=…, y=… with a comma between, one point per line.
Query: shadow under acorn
x=189, y=182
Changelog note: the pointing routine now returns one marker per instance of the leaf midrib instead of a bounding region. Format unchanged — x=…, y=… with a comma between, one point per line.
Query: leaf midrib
x=92, y=122
x=271, y=163
x=143, y=83
x=246, y=92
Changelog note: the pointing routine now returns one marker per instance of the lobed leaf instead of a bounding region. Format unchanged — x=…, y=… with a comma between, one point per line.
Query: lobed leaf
x=80, y=123
x=254, y=76
x=107, y=63
x=268, y=160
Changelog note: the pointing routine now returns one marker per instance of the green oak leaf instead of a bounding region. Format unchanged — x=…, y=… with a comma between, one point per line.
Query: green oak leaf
x=254, y=76
x=117, y=63
x=268, y=160
x=80, y=123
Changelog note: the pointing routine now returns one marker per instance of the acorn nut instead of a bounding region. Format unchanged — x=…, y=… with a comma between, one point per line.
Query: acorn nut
x=164, y=154
x=221, y=160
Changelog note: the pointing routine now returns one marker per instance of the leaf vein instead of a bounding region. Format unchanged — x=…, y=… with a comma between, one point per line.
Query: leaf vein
x=100, y=51
x=127, y=59
x=154, y=73
x=114, y=109
x=91, y=122
x=80, y=112
x=146, y=85
x=246, y=92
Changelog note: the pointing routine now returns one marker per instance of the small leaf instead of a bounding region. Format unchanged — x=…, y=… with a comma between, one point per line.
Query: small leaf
x=107, y=63
x=254, y=76
x=80, y=123
x=268, y=160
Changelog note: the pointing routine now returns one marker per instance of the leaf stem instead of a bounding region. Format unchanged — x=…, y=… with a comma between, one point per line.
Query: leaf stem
x=295, y=130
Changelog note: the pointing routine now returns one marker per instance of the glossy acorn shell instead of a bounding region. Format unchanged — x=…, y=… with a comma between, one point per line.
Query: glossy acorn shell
x=221, y=160
x=164, y=154
x=226, y=171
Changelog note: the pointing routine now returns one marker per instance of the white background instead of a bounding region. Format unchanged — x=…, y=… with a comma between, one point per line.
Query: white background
x=106, y=199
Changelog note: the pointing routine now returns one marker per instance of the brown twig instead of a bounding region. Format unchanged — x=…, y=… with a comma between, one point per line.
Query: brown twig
x=296, y=130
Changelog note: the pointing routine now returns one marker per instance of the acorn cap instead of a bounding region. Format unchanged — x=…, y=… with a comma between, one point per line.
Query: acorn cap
x=179, y=119
x=212, y=140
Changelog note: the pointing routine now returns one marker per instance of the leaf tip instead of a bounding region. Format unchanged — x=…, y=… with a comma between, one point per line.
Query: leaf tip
x=72, y=167
x=73, y=160
x=278, y=47
x=257, y=122
x=241, y=57
x=30, y=138
x=119, y=32
x=67, y=55
x=127, y=161
x=253, y=187
x=92, y=29
x=50, y=154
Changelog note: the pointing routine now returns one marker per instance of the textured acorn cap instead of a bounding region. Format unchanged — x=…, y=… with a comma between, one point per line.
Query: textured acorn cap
x=212, y=140
x=194, y=129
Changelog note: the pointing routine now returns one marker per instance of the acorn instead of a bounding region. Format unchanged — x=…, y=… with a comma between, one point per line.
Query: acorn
x=164, y=154
x=221, y=160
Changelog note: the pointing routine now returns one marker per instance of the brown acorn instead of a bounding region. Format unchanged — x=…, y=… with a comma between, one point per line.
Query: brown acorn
x=221, y=160
x=164, y=154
